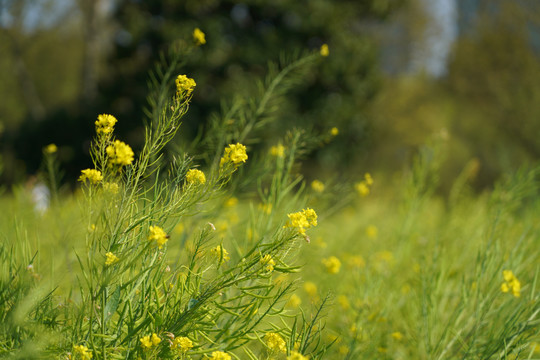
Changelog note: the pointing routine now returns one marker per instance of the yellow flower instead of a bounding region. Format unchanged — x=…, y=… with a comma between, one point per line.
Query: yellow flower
x=511, y=283
x=368, y=179
x=184, y=85
x=302, y=220
x=158, y=235
x=232, y=201
x=372, y=231
x=83, y=351
x=324, y=50
x=220, y=355
x=92, y=175
x=296, y=356
x=220, y=252
x=362, y=188
x=195, y=176
x=50, y=149
x=334, y=131
x=317, y=186
x=111, y=258
x=111, y=187
x=397, y=335
x=310, y=288
x=269, y=262
x=235, y=154
x=148, y=341
x=294, y=301
x=344, y=302
x=356, y=261
x=120, y=153
x=275, y=342
x=277, y=150
x=105, y=124
x=332, y=264
x=182, y=344
x=199, y=37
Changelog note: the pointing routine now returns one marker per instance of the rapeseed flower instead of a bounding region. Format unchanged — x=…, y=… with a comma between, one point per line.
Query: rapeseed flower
x=232, y=201
x=105, y=124
x=334, y=131
x=182, y=344
x=111, y=258
x=120, y=153
x=235, y=154
x=195, y=176
x=310, y=288
x=184, y=85
x=220, y=355
x=344, y=302
x=158, y=235
x=275, y=342
x=332, y=264
x=277, y=150
x=92, y=175
x=324, y=50
x=294, y=301
x=268, y=262
x=302, y=220
x=111, y=187
x=397, y=335
x=147, y=342
x=50, y=149
x=199, y=37
x=317, y=186
x=363, y=187
x=83, y=351
x=296, y=356
x=220, y=252
x=511, y=283
x=372, y=231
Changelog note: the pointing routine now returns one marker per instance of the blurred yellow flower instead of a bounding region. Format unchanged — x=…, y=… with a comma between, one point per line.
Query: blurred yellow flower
x=120, y=153
x=105, y=124
x=334, y=131
x=111, y=258
x=268, y=262
x=356, y=261
x=332, y=264
x=275, y=342
x=195, y=176
x=294, y=301
x=158, y=235
x=363, y=187
x=199, y=37
x=277, y=150
x=296, y=356
x=511, y=283
x=372, y=231
x=83, y=351
x=50, y=149
x=148, y=341
x=397, y=335
x=92, y=175
x=317, y=186
x=111, y=187
x=220, y=253
x=232, y=201
x=266, y=208
x=310, y=288
x=344, y=302
x=220, y=355
x=325, y=51
x=182, y=344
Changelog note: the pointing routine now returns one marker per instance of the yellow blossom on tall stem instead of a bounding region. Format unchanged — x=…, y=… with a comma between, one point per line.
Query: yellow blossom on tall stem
x=182, y=344
x=148, y=342
x=111, y=259
x=277, y=150
x=50, y=149
x=317, y=186
x=199, y=37
x=120, y=154
x=184, y=86
x=296, y=356
x=83, y=351
x=268, y=262
x=302, y=220
x=332, y=264
x=511, y=283
x=220, y=355
x=325, y=51
x=92, y=175
x=220, y=253
x=105, y=124
x=275, y=342
x=234, y=154
x=158, y=235
x=195, y=176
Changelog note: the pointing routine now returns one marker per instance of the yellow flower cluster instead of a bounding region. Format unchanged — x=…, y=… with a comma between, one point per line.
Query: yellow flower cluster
x=511, y=283
x=220, y=253
x=83, y=351
x=334, y=131
x=235, y=154
x=184, y=85
x=372, y=231
x=195, y=176
x=275, y=342
x=220, y=355
x=158, y=235
x=277, y=150
x=120, y=153
x=50, y=149
x=317, y=186
x=310, y=288
x=199, y=37
x=268, y=262
x=92, y=175
x=148, y=342
x=363, y=187
x=105, y=124
x=182, y=344
x=324, y=50
x=302, y=220
x=111, y=259
x=296, y=356
x=332, y=264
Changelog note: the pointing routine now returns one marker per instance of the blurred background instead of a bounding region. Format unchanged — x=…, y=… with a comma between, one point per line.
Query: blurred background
x=400, y=73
